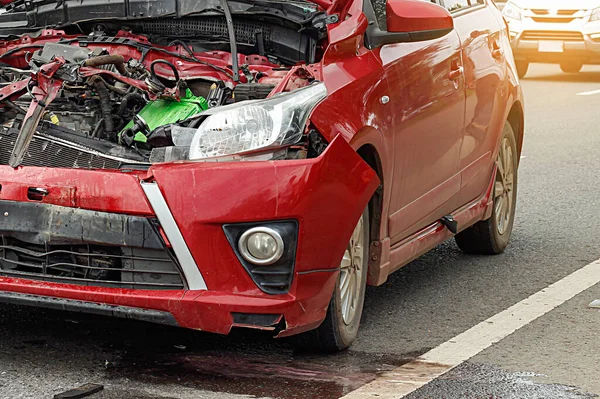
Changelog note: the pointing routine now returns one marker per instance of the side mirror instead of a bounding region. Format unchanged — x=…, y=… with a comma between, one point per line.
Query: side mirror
x=410, y=21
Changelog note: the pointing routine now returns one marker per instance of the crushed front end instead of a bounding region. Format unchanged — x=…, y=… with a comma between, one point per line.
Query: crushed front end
x=146, y=174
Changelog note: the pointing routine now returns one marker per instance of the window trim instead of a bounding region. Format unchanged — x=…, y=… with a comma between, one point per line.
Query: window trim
x=467, y=10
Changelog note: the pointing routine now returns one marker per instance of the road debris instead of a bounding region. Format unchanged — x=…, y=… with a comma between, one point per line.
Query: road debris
x=595, y=304
x=80, y=392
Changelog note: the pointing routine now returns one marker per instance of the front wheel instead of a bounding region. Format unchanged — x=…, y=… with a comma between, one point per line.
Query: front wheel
x=571, y=67
x=491, y=236
x=340, y=327
x=522, y=68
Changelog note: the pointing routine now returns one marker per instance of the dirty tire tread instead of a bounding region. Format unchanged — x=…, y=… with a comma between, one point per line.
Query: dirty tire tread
x=482, y=238
x=477, y=239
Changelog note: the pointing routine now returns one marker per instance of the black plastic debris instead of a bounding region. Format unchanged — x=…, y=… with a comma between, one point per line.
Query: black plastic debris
x=80, y=392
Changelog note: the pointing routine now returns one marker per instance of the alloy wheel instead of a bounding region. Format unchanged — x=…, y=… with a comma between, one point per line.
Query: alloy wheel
x=350, y=273
x=503, y=193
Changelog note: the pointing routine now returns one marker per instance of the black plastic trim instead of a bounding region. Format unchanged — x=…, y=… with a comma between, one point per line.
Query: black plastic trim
x=39, y=223
x=276, y=278
x=256, y=320
x=71, y=305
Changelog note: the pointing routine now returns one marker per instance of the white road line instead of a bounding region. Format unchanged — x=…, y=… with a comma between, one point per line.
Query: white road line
x=438, y=361
x=589, y=93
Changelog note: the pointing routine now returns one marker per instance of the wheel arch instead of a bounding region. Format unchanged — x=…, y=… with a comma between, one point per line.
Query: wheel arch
x=369, y=154
x=516, y=120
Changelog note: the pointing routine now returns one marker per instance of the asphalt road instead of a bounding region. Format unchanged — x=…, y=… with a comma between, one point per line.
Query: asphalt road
x=428, y=302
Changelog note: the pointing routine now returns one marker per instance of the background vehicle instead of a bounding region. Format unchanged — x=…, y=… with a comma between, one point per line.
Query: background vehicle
x=557, y=32
x=249, y=170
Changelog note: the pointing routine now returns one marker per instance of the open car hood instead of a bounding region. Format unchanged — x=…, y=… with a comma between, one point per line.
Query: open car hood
x=330, y=5
x=23, y=16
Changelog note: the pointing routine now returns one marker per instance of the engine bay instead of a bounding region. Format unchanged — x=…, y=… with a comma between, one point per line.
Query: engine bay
x=116, y=100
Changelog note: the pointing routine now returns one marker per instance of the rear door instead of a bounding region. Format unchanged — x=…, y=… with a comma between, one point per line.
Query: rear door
x=480, y=31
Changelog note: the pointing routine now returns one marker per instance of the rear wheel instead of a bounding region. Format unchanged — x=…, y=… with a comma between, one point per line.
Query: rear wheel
x=492, y=236
x=340, y=327
x=571, y=67
x=522, y=67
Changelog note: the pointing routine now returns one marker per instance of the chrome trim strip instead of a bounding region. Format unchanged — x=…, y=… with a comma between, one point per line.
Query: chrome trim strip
x=192, y=274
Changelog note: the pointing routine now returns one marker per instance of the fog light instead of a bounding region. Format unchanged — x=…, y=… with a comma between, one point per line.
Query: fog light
x=261, y=246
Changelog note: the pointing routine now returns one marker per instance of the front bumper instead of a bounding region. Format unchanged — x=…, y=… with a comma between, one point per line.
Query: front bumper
x=192, y=202
x=555, y=42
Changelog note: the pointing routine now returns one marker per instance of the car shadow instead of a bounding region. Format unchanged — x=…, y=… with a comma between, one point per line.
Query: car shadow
x=581, y=77
x=245, y=362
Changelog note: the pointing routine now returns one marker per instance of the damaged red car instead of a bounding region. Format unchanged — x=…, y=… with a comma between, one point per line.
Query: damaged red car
x=248, y=163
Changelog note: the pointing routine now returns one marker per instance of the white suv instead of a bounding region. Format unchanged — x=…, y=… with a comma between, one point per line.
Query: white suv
x=563, y=32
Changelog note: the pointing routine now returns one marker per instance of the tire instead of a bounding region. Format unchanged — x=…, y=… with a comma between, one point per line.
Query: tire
x=490, y=237
x=340, y=327
x=522, y=68
x=571, y=67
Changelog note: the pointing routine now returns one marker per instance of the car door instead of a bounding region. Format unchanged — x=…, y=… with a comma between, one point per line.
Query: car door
x=427, y=98
x=480, y=32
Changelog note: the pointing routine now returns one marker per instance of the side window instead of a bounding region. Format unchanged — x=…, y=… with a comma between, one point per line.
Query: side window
x=458, y=5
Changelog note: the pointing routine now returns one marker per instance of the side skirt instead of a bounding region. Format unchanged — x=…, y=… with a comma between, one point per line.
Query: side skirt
x=423, y=241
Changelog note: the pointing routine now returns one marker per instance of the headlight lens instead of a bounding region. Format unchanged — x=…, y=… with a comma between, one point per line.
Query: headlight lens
x=254, y=125
x=512, y=11
x=595, y=15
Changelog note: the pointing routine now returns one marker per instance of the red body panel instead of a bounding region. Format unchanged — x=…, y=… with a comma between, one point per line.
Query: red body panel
x=431, y=113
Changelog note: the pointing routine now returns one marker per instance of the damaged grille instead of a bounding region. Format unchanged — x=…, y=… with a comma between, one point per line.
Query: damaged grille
x=47, y=153
x=96, y=265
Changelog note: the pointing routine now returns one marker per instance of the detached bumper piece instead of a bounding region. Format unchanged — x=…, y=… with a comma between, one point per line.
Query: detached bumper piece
x=53, y=243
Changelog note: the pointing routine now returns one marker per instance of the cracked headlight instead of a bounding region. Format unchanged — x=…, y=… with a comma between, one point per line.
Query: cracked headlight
x=250, y=126
x=512, y=11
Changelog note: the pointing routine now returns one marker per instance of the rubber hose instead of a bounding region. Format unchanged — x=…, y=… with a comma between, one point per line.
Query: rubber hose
x=127, y=99
x=105, y=106
x=167, y=63
x=117, y=60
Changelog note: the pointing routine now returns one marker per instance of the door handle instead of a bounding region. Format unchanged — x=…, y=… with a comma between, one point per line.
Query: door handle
x=456, y=73
x=497, y=52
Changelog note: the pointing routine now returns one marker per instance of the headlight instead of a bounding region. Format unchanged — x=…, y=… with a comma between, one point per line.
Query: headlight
x=254, y=125
x=595, y=15
x=512, y=11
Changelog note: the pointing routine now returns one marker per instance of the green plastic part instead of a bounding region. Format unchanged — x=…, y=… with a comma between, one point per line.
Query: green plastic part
x=165, y=111
x=140, y=137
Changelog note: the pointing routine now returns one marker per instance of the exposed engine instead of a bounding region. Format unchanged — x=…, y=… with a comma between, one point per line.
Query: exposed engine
x=109, y=102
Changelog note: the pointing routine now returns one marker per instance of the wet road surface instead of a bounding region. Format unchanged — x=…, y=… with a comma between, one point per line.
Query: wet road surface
x=433, y=299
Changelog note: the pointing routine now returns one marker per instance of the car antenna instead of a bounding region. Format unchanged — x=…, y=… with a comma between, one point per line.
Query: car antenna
x=232, y=42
